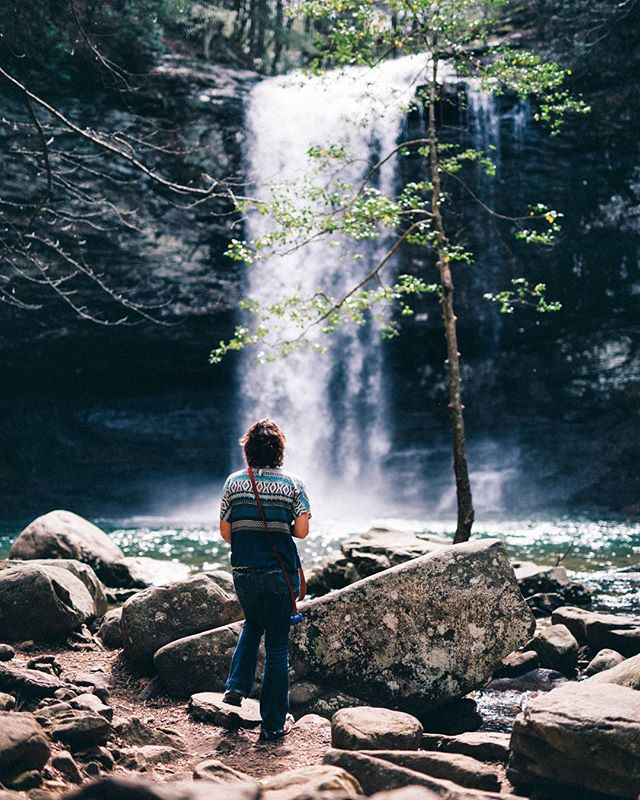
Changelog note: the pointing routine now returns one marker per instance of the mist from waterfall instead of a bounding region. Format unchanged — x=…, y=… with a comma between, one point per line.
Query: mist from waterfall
x=332, y=407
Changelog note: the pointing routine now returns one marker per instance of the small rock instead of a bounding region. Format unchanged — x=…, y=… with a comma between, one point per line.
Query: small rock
x=7, y=701
x=29, y=682
x=134, y=731
x=608, y=631
x=99, y=682
x=153, y=688
x=481, y=745
x=91, y=702
x=605, y=659
x=316, y=724
x=120, y=787
x=208, y=707
x=6, y=652
x=48, y=664
x=534, y=579
x=516, y=664
x=317, y=780
x=109, y=630
x=65, y=763
x=217, y=771
x=101, y=755
x=577, y=594
x=557, y=648
x=147, y=755
x=457, y=717
x=625, y=674
x=538, y=680
x=368, y=728
x=574, y=619
x=74, y=727
x=65, y=694
x=92, y=769
x=407, y=793
x=544, y=603
x=23, y=747
x=304, y=692
x=25, y=780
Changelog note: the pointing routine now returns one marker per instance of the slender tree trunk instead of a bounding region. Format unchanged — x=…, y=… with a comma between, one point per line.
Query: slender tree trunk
x=456, y=409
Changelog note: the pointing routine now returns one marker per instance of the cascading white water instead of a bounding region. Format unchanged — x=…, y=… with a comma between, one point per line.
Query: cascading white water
x=333, y=406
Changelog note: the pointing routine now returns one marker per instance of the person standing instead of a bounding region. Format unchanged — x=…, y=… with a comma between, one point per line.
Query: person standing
x=263, y=509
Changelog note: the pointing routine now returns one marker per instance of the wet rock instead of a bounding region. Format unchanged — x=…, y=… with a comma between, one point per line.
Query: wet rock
x=447, y=619
x=574, y=619
x=109, y=630
x=6, y=652
x=538, y=680
x=29, y=682
x=613, y=632
x=543, y=604
x=42, y=602
x=144, y=571
x=214, y=770
x=137, y=788
x=557, y=648
x=62, y=534
x=625, y=674
x=75, y=727
x=319, y=780
x=461, y=769
x=516, y=664
x=65, y=763
x=208, y=707
x=480, y=745
x=162, y=614
x=605, y=659
x=454, y=718
x=23, y=747
x=368, y=728
x=574, y=736
x=91, y=702
x=374, y=774
x=7, y=701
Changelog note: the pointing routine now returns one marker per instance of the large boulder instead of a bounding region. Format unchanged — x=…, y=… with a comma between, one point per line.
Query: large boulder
x=62, y=534
x=23, y=747
x=162, y=614
x=42, y=602
x=412, y=637
x=370, y=553
x=579, y=736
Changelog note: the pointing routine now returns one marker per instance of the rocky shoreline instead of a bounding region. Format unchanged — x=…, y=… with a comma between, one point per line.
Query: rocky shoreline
x=406, y=640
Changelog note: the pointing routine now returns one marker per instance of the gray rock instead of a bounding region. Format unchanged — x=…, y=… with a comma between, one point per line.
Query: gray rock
x=137, y=788
x=6, y=652
x=576, y=736
x=42, y=602
x=62, y=534
x=133, y=731
x=368, y=728
x=375, y=774
x=625, y=674
x=574, y=619
x=605, y=659
x=447, y=619
x=23, y=747
x=162, y=614
x=30, y=683
x=91, y=702
x=214, y=770
x=481, y=745
x=556, y=647
x=209, y=707
x=516, y=664
x=74, y=727
x=65, y=763
x=83, y=572
x=109, y=630
x=538, y=680
x=461, y=769
x=318, y=780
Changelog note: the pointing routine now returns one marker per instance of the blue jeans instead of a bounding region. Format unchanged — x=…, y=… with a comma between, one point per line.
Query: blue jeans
x=266, y=601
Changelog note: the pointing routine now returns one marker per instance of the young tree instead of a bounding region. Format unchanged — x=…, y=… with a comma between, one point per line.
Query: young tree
x=448, y=35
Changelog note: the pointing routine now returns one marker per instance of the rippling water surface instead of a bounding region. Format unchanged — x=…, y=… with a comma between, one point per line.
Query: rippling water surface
x=596, y=550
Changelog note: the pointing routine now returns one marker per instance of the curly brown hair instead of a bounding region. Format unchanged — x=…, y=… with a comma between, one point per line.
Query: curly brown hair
x=263, y=444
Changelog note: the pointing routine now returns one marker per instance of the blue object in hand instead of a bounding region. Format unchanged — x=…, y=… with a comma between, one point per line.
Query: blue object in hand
x=297, y=617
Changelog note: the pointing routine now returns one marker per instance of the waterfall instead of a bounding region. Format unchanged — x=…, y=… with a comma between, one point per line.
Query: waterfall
x=332, y=407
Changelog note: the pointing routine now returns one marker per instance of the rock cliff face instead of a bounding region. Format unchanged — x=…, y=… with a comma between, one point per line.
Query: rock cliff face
x=124, y=413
